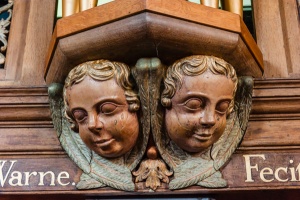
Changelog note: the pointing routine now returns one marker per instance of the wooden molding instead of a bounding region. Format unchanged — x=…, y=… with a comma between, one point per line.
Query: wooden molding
x=274, y=119
x=276, y=99
x=25, y=121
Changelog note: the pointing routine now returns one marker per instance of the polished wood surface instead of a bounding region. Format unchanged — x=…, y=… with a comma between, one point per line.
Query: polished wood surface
x=278, y=35
x=30, y=33
x=143, y=33
x=25, y=122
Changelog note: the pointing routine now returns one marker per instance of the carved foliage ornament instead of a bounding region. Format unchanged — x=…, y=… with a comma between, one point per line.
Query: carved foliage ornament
x=298, y=2
x=4, y=23
x=108, y=116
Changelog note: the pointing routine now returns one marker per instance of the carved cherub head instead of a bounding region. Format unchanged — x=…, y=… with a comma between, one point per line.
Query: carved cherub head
x=199, y=95
x=101, y=105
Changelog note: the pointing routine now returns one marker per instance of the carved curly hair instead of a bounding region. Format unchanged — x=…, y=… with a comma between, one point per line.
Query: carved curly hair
x=101, y=70
x=194, y=66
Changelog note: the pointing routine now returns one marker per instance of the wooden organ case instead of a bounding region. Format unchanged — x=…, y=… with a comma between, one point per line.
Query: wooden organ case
x=266, y=163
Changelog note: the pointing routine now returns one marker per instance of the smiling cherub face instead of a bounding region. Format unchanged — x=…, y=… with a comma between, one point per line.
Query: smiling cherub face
x=103, y=112
x=196, y=112
x=105, y=124
x=199, y=110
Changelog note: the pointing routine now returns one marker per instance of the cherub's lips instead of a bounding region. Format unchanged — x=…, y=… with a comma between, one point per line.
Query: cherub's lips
x=203, y=136
x=103, y=142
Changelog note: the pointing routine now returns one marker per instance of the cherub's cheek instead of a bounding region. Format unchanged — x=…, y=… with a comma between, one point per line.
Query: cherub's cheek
x=122, y=121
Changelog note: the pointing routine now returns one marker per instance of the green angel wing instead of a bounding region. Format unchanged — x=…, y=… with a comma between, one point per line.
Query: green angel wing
x=236, y=127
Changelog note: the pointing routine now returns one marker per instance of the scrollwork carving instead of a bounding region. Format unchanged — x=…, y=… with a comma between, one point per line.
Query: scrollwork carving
x=4, y=23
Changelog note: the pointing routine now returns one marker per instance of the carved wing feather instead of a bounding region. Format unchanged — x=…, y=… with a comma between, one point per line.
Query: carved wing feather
x=86, y=182
x=236, y=127
x=198, y=169
x=66, y=136
x=72, y=149
x=54, y=91
x=111, y=174
x=213, y=181
x=141, y=145
x=222, y=150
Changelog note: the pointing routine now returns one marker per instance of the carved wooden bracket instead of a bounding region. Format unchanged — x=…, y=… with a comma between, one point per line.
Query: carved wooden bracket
x=128, y=30
x=149, y=35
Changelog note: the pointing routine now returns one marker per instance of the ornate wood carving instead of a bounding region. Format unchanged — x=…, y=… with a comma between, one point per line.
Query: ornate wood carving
x=4, y=23
x=167, y=158
x=193, y=138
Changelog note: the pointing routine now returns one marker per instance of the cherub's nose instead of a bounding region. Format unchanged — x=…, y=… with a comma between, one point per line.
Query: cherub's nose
x=208, y=118
x=94, y=122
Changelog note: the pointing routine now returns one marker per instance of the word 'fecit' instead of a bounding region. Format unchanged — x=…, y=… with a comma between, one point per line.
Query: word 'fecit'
x=255, y=171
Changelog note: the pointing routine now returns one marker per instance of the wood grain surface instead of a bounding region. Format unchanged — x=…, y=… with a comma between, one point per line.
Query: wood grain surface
x=128, y=30
x=278, y=35
x=30, y=33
